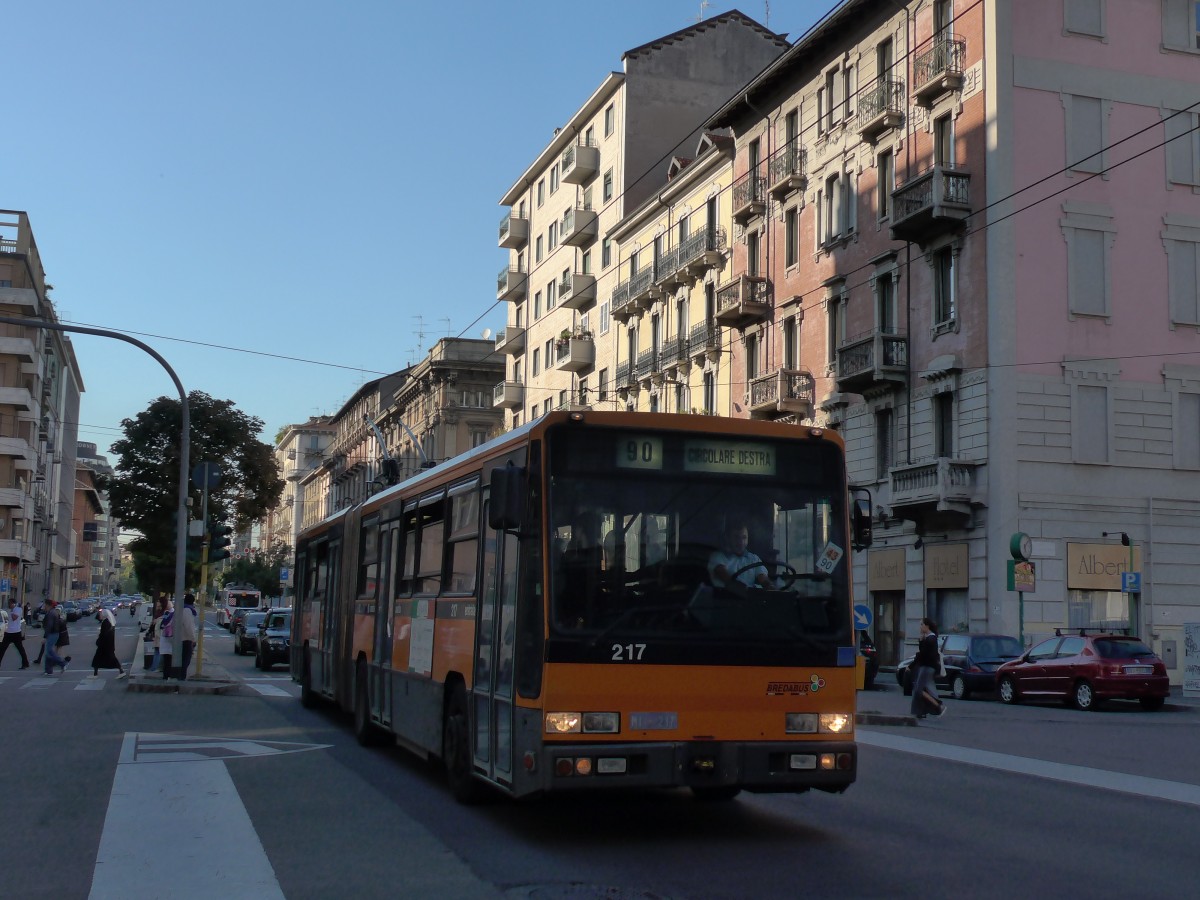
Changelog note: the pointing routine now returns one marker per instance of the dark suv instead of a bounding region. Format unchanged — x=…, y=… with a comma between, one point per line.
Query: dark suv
x=1086, y=668
x=245, y=632
x=274, y=638
x=971, y=663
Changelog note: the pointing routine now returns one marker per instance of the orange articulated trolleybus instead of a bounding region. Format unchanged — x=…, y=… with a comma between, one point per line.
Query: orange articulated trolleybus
x=543, y=614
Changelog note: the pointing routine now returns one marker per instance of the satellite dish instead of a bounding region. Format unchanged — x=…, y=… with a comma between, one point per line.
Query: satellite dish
x=487, y=333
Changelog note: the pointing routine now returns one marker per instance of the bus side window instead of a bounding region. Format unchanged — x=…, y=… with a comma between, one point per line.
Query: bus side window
x=407, y=577
x=432, y=545
x=462, y=554
x=368, y=574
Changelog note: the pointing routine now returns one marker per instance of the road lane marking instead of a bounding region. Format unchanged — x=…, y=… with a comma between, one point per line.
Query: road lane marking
x=37, y=684
x=1085, y=776
x=91, y=684
x=268, y=690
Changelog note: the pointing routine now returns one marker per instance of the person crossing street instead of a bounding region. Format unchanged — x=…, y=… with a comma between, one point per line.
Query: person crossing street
x=14, y=633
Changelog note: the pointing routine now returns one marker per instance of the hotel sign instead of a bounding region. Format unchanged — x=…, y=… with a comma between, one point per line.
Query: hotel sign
x=1098, y=567
x=946, y=566
x=885, y=570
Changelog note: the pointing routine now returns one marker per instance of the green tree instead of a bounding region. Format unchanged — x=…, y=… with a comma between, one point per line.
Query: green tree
x=144, y=490
x=259, y=569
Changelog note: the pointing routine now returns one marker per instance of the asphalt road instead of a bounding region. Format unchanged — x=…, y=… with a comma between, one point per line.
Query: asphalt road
x=116, y=793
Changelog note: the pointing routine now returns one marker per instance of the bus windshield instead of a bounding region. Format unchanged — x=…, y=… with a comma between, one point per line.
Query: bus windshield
x=723, y=548
x=244, y=599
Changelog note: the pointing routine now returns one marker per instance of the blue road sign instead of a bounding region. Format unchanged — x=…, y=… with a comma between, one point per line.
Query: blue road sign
x=1131, y=582
x=862, y=617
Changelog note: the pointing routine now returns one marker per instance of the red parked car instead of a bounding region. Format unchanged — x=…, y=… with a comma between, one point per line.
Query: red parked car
x=1086, y=668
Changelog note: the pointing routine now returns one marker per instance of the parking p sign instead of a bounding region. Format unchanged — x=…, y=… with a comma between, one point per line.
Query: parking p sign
x=283, y=575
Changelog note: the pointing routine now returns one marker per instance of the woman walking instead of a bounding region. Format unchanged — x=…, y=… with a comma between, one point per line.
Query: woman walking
x=106, y=645
x=925, y=669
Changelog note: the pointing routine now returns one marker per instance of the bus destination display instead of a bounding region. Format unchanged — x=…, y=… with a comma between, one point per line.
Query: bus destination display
x=709, y=456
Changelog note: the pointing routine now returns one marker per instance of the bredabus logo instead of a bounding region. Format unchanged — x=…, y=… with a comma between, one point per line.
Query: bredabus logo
x=795, y=688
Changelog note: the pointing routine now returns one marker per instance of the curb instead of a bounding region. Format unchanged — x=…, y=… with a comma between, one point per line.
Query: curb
x=153, y=684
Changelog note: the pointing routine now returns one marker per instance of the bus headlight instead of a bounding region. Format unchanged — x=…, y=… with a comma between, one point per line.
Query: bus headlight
x=801, y=723
x=836, y=723
x=564, y=723
x=601, y=722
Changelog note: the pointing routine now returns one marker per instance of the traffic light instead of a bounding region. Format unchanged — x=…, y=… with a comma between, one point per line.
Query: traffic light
x=218, y=542
x=90, y=531
x=195, y=547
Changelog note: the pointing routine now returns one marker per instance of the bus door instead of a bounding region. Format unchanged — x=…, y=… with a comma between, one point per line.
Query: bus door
x=381, y=671
x=495, y=642
x=330, y=630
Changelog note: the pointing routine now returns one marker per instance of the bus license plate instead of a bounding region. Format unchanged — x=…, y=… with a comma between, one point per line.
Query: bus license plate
x=653, y=721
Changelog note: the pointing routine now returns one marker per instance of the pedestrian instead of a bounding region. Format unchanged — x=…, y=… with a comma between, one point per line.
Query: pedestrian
x=106, y=645
x=14, y=632
x=186, y=621
x=926, y=665
x=166, y=633
x=55, y=628
x=42, y=648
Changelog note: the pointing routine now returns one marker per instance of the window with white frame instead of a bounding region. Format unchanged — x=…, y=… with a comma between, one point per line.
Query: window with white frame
x=554, y=178
x=1085, y=125
x=537, y=361
x=943, y=141
x=1089, y=232
x=537, y=249
x=1182, y=147
x=837, y=218
x=1084, y=17
x=610, y=119
x=541, y=192
x=1181, y=25
x=1182, y=244
x=605, y=316
x=835, y=99
x=602, y=386
x=608, y=185
x=887, y=318
x=605, y=253
x=552, y=236
x=945, y=288
x=551, y=295
x=537, y=305
x=791, y=342
x=585, y=264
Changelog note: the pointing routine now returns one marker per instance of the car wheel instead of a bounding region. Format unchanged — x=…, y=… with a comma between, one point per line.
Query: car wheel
x=1152, y=703
x=237, y=648
x=958, y=687
x=456, y=749
x=258, y=661
x=906, y=683
x=1007, y=689
x=1083, y=696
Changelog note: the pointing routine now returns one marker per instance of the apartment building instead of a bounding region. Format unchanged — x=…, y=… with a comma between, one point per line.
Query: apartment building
x=40, y=387
x=559, y=346
x=975, y=226
x=97, y=547
x=299, y=449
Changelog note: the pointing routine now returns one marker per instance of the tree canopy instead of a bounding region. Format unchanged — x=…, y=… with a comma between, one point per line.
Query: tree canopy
x=144, y=490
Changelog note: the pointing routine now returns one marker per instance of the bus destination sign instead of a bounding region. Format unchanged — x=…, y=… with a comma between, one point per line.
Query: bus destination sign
x=728, y=458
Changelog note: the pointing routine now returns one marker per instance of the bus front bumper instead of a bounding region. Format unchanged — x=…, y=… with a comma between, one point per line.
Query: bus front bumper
x=781, y=767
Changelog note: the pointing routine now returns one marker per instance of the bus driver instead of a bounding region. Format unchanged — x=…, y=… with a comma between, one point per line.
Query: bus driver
x=734, y=559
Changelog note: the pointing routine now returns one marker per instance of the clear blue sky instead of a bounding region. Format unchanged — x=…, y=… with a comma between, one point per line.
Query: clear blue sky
x=309, y=180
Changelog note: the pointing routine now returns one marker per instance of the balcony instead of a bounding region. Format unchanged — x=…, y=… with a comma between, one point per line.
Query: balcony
x=11, y=498
x=749, y=198
x=577, y=291
x=514, y=232
x=940, y=484
x=702, y=251
x=647, y=365
x=18, y=397
x=509, y=395
x=621, y=306
x=782, y=393
x=19, y=450
x=11, y=549
x=667, y=271
x=511, y=340
x=704, y=340
x=626, y=380
x=579, y=226
x=870, y=360
x=579, y=163
x=788, y=170
x=642, y=291
x=19, y=347
x=935, y=202
x=511, y=284
x=880, y=109
x=744, y=301
x=575, y=354
x=938, y=70
x=673, y=352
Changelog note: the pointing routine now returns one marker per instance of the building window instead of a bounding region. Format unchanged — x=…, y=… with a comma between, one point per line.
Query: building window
x=884, y=443
x=886, y=171
x=943, y=19
x=943, y=288
x=1090, y=426
x=537, y=360
x=562, y=399
x=589, y=136
x=1089, y=233
x=478, y=436
x=586, y=262
x=554, y=178
x=943, y=425
x=1183, y=270
x=1181, y=25
x=751, y=358
x=602, y=386
x=836, y=326
x=549, y=354
x=610, y=119
x=551, y=295
x=605, y=316
x=605, y=254
x=885, y=58
x=1187, y=431
x=1085, y=133
x=608, y=185
x=537, y=250
x=886, y=315
x=943, y=141
x=710, y=394
x=1084, y=17
x=541, y=192
x=753, y=241
x=791, y=343
x=533, y=412
x=537, y=305
x=552, y=235
x=1183, y=146
x=791, y=235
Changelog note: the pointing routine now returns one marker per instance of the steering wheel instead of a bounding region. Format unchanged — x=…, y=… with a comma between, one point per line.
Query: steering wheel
x=783, y=571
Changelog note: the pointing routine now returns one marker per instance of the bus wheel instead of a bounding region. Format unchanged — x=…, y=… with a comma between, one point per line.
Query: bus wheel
x=456, y=749
x=308, y=697
x=715, y=794
x=364, y=732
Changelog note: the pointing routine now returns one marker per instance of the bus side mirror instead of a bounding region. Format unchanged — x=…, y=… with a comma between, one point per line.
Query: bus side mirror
x=506, y=510
x=860, y=525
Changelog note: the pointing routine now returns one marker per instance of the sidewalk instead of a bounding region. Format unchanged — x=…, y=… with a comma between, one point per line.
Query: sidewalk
x=214, y=680
x=887, y=705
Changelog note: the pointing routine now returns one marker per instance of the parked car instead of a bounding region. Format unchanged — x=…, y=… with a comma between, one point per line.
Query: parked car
x=971, y=663
x=1086, y=669
x=866, y=649
x=238, y=615
x=245, y=633
x=71, y=610
x=274, y=638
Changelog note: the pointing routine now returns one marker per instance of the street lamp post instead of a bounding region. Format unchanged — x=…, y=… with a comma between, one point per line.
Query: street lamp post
x=1126, y=541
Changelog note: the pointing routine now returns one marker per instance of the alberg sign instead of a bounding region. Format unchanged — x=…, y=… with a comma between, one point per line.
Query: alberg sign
x=1098, y=567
